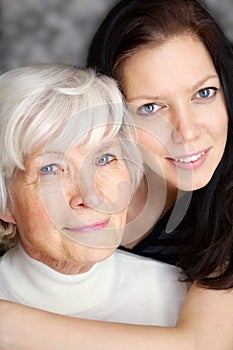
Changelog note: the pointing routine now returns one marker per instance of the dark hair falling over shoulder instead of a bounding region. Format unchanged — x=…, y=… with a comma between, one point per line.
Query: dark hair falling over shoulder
x=132, y=25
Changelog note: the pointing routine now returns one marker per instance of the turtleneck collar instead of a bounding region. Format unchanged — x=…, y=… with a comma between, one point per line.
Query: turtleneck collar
x=33, y=283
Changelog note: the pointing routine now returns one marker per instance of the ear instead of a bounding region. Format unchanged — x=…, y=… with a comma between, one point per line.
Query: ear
x=8, y=216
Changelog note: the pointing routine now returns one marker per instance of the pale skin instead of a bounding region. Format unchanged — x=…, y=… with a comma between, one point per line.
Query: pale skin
x=175, y=120
x=205, y=322
x=194, y=105
x=48, y=206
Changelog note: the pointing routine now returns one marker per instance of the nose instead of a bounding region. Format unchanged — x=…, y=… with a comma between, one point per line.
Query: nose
x=85, y=198
x=186, y=127
x=77, y=201
x=76, y=193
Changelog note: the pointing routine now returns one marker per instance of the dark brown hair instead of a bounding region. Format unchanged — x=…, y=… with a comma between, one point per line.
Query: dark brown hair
x=133, y=25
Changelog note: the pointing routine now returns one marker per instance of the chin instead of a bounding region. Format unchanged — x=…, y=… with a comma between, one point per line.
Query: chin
x=98, y=255
x=195, y=186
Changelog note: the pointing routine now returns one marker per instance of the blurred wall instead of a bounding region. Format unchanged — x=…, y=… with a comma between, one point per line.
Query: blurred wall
x=42, y=31
x=223, y=12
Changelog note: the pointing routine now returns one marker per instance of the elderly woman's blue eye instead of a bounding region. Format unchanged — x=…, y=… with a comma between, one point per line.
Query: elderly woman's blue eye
x=105, y=159
x=49, y=169
x=206, y=93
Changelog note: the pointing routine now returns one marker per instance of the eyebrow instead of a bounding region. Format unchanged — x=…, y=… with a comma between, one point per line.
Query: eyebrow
x=57, y=153
x=202, y=81
x=193, y=88
x=47, y=153
x=104, y=147
x=98, y=148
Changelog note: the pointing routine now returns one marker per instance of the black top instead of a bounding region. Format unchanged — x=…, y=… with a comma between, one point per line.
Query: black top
x=161, y=245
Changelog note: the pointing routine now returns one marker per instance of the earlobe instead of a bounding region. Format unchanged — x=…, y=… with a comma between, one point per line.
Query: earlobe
x=8, y=216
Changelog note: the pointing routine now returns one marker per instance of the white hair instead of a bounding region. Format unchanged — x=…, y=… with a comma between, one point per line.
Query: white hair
x=57, y=102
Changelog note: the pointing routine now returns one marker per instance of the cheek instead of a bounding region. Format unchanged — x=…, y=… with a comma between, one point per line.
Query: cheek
x=35, y=227
x=223, y=135
x=225, y=128
x=218, y=126
x=35, y=218
x=55, y=200
x=152, y=151
x=24, y=210
x=218, y=119
x=118, y=221
x=148, y=142
x=30, y=213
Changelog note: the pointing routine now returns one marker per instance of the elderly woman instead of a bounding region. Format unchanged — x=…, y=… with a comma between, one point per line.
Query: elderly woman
x=68, y=168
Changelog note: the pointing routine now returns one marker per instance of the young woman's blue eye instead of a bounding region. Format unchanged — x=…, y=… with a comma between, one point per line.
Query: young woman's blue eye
x=148, y=108
x=206, y=93
x=50, y=169
x=105, y=159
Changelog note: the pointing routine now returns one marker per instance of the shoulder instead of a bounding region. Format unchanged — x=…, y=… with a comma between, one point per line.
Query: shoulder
x=147, y=265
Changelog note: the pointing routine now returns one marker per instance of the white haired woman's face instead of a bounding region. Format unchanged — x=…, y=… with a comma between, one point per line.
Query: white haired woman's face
x=70, y=209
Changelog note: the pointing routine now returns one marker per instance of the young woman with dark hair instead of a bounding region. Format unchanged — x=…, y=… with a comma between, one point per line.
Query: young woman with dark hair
x=174, y=66
x=132, y=27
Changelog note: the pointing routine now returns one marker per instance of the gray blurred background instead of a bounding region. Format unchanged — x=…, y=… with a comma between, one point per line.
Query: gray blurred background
x=43, y=31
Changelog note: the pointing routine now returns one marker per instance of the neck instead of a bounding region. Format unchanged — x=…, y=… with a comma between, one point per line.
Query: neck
x=63, y=266
x=151, y=202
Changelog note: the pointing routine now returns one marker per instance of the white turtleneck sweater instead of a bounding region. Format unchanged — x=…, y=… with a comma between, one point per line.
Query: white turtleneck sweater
x=123, y=288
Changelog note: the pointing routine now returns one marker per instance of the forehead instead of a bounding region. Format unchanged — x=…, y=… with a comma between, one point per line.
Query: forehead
x=75, y=152
x=180, y=61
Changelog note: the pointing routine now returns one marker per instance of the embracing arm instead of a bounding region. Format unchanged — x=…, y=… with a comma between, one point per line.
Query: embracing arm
x=205, y=322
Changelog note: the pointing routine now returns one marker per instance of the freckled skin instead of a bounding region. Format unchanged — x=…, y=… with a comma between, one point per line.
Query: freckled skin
x=40, y=227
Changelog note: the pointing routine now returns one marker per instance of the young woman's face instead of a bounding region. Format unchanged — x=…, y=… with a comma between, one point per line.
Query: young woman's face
x=70, y=209
x=179, y=109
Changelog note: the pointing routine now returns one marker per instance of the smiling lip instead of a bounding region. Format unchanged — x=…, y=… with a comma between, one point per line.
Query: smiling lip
x=191, y=161
x=88, y=228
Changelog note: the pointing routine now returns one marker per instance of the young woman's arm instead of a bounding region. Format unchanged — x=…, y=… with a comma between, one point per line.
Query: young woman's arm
x=205, y=322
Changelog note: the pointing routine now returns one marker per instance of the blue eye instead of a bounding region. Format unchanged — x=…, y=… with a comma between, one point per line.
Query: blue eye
x=148, y=108
x=51, y=169
x=105, y=159
x=206, y=93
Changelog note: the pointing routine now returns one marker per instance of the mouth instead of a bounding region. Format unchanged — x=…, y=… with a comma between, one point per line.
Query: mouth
x=193, y=160
x=190, y=158
x=89, y=228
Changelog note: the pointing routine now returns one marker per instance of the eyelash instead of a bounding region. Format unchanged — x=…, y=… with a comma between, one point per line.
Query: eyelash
x=49, y=169
x=107, y=155
x=156, y=107
x=53, y=172
x=141, y=109
x=214, y=91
